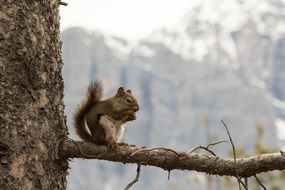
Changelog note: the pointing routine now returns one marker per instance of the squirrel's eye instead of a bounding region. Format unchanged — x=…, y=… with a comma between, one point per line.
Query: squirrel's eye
x=129, y=100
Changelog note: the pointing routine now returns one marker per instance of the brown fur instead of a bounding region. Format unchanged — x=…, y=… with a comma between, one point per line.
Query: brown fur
x=121, y=108
x=93, y=96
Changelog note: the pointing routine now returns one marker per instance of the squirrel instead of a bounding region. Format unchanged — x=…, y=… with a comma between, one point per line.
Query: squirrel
x=104, y=118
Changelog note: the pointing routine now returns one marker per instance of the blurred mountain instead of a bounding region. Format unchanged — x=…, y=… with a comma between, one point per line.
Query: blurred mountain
x=225, y=60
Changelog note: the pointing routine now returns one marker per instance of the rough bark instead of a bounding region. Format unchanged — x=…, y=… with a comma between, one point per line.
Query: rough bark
x=31, y=95
x=168, y=159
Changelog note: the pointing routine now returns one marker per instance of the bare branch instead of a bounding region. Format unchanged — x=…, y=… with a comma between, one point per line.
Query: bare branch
x=234, y=153
x=259, y=182
x=164, y=159
x=243, y=184
x=215, y=143
x=207, y=147
x=202, y=147
x=136, y=178
x=239, y=182
x=246, y=183
x=229, y=135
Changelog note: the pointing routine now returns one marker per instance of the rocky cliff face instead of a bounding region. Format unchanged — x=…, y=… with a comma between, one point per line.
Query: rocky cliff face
x=221, y=62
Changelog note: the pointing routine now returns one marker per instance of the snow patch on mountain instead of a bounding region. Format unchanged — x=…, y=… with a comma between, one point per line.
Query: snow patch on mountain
x=118, y=45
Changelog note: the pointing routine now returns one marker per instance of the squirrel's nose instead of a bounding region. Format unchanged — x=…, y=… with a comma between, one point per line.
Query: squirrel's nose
x=137, y=108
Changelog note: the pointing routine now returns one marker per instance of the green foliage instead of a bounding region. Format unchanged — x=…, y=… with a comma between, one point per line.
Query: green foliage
x=259, y=147
x=274, y=187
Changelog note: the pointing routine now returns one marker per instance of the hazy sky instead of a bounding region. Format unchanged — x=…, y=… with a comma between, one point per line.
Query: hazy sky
x=130, y=19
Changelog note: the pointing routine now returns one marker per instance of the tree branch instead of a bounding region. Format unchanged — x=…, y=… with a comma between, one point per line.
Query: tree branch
x=167, y=160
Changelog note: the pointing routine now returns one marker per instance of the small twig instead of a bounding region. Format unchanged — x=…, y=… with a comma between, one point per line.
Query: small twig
x=282, y=153
x=243, y=184
x=63, y=3
x=234, y=152
x=229, y=135
x=168, y=177
x=136, y=178
x=207, y=147
x=201, y=147
x=259, y=182
x=215, y=143
x=150, y=149
x=246, y=182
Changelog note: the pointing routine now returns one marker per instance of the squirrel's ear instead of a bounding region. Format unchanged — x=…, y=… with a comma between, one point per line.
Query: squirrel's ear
x=129, y=91
x=120, y=91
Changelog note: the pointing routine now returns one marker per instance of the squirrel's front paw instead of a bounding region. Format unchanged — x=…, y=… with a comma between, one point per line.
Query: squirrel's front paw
x=132, y=117
x=112, y=145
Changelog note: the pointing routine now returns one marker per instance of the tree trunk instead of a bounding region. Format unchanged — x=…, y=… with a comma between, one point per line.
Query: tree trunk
x=32, y=121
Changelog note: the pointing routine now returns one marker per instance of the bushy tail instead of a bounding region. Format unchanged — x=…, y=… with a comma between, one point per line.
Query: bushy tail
x=94, y=95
